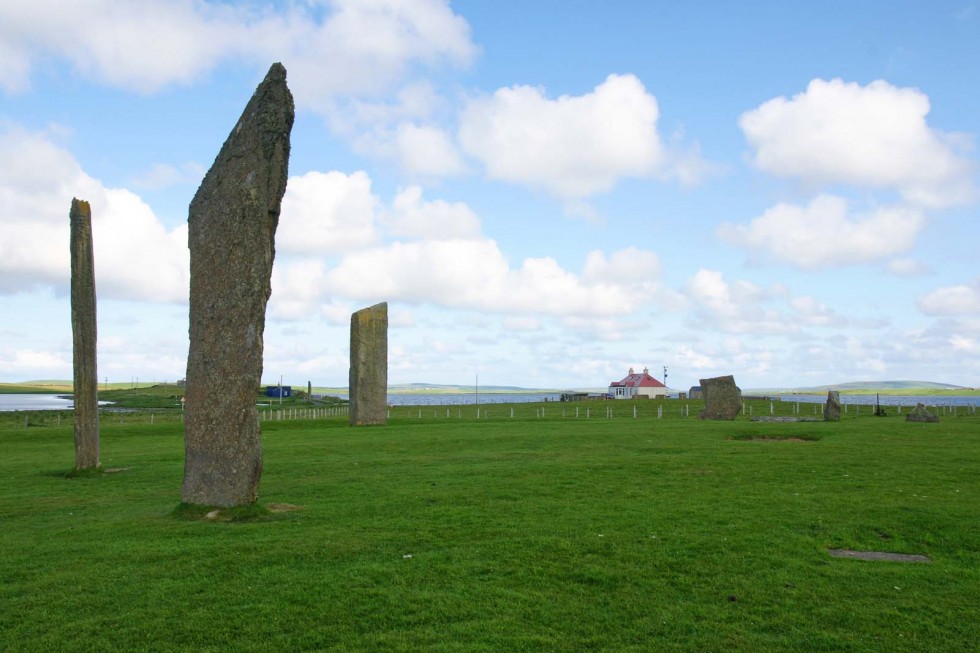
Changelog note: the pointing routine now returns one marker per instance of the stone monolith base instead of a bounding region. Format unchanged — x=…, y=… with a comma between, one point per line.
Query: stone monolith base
x=231, y=235
x=369, y=366
x=921, y=414
x=722, y=398
x=83, y=329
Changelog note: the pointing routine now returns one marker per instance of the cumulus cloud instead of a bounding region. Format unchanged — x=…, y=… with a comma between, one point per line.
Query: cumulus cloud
x=474, y=274
x=326, y=213
x=963, y=299
x=427, y=151
x=873, y=136
x=412, y=217
x=148, y=45
x=739, y=307
x=572, y=146
x=136, y=257
x=798, y=235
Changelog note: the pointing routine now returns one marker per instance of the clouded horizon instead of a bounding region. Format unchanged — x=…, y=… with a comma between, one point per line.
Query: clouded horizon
x=545, y=194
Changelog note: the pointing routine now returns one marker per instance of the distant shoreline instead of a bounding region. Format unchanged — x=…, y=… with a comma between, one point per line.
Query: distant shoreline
x=65, y=387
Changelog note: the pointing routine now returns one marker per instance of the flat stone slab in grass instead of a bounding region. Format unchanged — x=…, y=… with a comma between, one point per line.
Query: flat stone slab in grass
x=878, y=555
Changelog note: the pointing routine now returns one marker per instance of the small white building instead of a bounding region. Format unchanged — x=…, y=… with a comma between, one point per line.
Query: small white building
x=637, y=386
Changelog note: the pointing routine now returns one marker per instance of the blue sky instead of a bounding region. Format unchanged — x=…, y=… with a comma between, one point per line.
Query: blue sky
x=545, y=193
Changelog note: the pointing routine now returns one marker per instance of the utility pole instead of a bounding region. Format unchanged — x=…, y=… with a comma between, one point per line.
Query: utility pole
x=665, y=376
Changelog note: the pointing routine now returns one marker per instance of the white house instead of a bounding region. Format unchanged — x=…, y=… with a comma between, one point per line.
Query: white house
x=637, y=385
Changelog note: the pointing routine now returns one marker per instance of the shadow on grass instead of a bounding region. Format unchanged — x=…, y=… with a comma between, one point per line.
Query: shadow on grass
x=75, y=474
x=776, y=437
x=239, y=514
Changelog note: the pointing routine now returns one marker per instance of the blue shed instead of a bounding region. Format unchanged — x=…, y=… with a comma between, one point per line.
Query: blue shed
x=273, y=391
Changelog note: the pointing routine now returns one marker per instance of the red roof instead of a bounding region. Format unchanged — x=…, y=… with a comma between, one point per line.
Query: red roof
x=643, y=380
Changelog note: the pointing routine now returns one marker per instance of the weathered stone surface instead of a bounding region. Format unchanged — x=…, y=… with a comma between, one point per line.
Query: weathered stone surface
x=831, y=410
x=83, y=329
x=921, y=414
x=369, y=366
x=722, y=398
x=231, y=234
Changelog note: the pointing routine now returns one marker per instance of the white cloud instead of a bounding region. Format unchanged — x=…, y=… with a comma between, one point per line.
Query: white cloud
x=626, y=266
x=738, y=307
x=427, y=151
x=33, y=364
x=908, y=267
x=327, y=213
x=136, y=257
x=744, y=307
x=824, y=233
x=152, y=44
x=573, y=146
x=412, y=217
x=474, y=274
x=963, y=299
x=873, y=136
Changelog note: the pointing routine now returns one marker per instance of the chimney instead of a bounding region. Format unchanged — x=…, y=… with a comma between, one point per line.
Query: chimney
x=646, y=370
x=631, y=371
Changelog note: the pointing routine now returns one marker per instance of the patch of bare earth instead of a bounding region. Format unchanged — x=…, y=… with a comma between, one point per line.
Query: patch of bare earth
x=282, y=507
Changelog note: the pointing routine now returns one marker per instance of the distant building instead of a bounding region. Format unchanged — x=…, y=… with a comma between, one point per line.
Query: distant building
x=637, y=386
x=274, y=391
x=695, y=392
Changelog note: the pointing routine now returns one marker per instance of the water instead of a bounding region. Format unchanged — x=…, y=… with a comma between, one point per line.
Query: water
x=437, y=399
x=34, y=402
x=888, y=400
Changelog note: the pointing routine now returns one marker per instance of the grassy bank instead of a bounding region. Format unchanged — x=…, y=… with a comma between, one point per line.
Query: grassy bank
x=538, y=532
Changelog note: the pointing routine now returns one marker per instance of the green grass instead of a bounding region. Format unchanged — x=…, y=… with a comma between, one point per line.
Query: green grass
x=550, y=533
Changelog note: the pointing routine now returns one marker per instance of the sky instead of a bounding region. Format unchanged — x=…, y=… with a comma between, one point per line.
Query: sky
x=546, y=193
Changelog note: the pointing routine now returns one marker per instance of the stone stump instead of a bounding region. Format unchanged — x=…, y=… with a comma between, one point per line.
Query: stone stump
x=231, y=234
x=921, y=414
x=831, y=410
x=369, y=366
x=83, y=329
x=722, y=398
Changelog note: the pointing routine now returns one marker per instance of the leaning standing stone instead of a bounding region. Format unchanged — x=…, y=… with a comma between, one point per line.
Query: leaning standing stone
x=231, y=235
x=722, y=398
x=831, y=410
x=369, y=366
x=83, y=329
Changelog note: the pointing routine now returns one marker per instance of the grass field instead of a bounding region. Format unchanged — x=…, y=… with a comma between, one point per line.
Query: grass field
x=537, y=532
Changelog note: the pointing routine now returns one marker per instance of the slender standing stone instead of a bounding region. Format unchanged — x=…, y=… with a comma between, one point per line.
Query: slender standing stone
x=369, y=366
x=231, y=234
x=83, y=329
x=722, y=398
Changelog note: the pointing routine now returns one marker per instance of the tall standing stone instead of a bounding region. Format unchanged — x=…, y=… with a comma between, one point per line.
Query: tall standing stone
x=231, y=234
x=831, y=410
x=722, y=398
x=83, y=329
x=369, y=366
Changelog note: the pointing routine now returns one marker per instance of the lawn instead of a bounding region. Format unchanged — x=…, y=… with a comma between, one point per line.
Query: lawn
x=539, y=532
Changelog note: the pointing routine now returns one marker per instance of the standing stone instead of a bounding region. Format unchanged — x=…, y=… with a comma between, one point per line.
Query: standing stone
x=831, y=410
x=369, y=366
x=231, y=234
x=83, y=329
x=921, y=414
x=722, y=398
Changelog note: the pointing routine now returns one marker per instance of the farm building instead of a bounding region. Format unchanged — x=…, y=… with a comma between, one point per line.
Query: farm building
x=279, y=391
x=695, y=392
x=635, y=386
